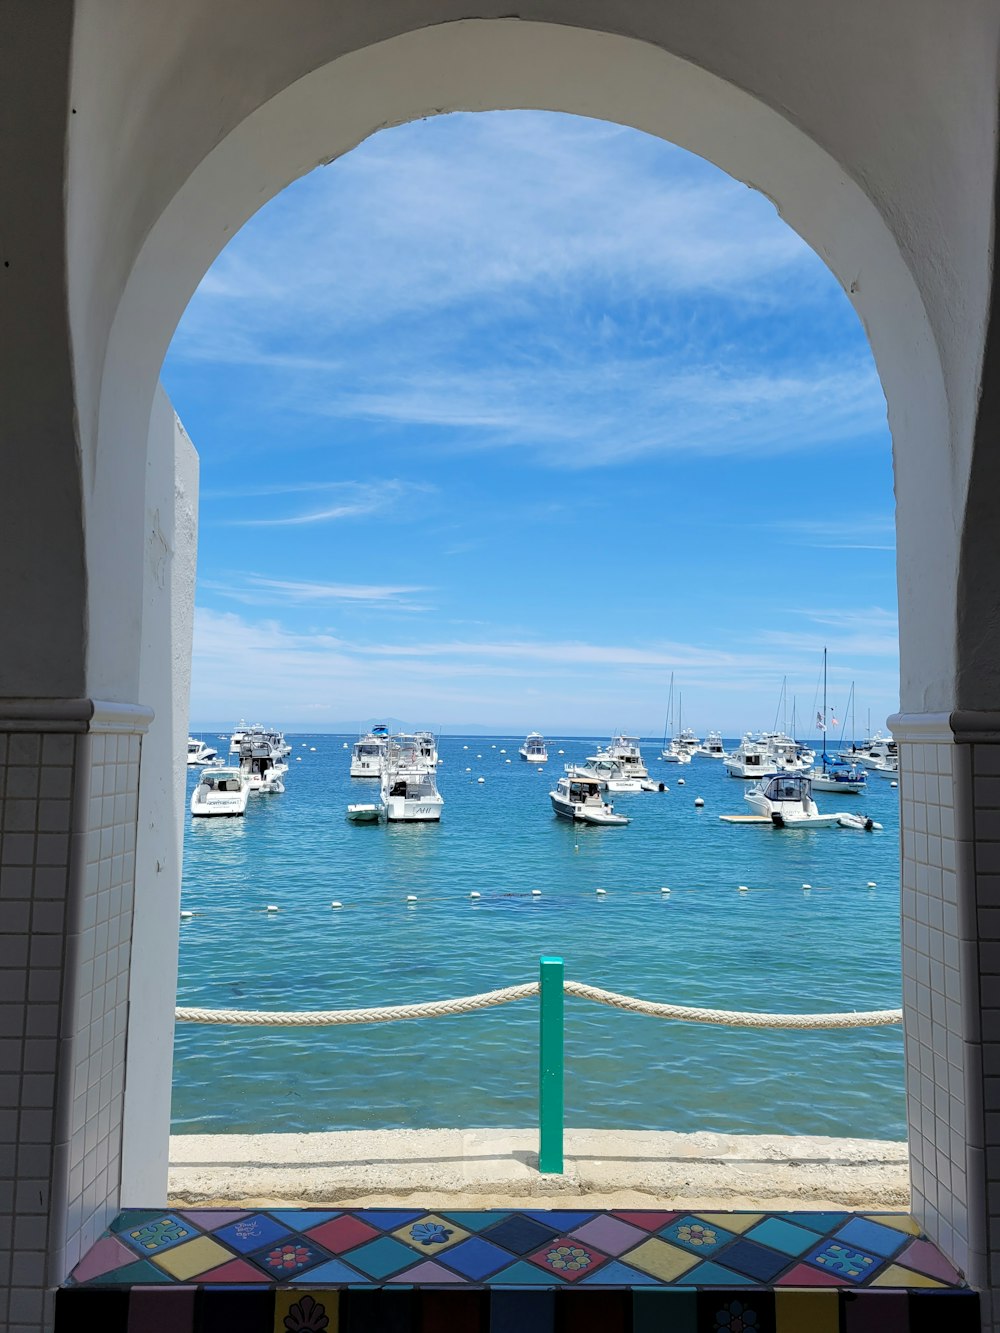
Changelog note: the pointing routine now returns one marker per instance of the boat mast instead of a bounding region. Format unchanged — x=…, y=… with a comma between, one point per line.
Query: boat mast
x=824, y=709
x=670, y=709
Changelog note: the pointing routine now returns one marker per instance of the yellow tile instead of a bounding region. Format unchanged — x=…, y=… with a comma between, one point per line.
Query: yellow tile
x=898, y=1222
x=403, y=1234
x=735, y=1222
x=312, y=1306
x=814, y=1309
x=192, y=1258
x=898, y=1276
x=661, y=1260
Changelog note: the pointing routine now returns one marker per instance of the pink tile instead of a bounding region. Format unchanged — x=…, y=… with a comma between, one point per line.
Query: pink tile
x=610, y=1234
x=648, y=1221
x=211, y=1221
x=237, y=1270
x=804, y=1275
x=927, y=1258
x=343, y=1233
x=428, y=1272
x=161, y=1309
x=107, y=1254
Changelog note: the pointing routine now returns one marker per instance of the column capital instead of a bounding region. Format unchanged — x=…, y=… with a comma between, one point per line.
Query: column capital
x=962, y=727
x=73, y=715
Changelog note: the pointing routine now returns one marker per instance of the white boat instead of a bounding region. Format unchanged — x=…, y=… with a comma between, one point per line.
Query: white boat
x=580, y=799
x=364, y=814
x=261, y=765
x=608, y=773
x=678, y=750
x=366, y=756
x=220, y=791
x=625, y=750
x=199, y=754
x=410, y=794
x=863, y=822
x=886, y=766
x=533, y=749
x=405, y=750
x=835, y=775
x=786, y=799
x=750, y=760
x=712, y=746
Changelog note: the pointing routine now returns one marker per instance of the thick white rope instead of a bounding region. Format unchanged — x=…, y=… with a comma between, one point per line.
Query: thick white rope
x=488, y=999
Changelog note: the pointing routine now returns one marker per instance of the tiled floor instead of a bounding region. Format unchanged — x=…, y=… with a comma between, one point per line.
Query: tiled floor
x=331, y=1271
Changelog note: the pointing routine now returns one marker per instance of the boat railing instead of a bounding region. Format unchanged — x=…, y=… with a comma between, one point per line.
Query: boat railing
x=551, y=988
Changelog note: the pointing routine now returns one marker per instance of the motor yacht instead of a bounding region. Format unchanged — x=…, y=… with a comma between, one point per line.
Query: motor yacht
x=886, y=766
x=750, y=760
x=261, y=766
x=786, y=799
x=366, y=756
x=883, y=756
x=199, y=754
x=220, y=791
x=625, y=750
x=580, y=799
x=533, y=749
x=409, y=793
x=415, y=750
x=608, y=773
x=712, y=746
x=675, y=754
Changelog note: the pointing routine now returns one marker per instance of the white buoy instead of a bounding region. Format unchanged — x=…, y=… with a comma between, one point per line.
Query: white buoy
x=807, y=886
x=680, y=782
x=468, y=770
x=562, y=751
x=479, y=756
x=336, y=904
x=502, y=751
x=893, y=784
x=664, y=889
x=411, y=897
x=541, y=770
x=600, y=892
x=480, y=779
x=493, y=747
x=506, y=761
x=474, y=894
x=698, y=802
x=312, y=749
x=743, y=888
x=872, y=884
x=272, y=907
x=298, y=759
x=465, y=747
x=536, y=893
x=187, y=914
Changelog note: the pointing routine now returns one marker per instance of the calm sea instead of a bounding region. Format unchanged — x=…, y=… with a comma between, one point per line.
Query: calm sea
x=775, y=947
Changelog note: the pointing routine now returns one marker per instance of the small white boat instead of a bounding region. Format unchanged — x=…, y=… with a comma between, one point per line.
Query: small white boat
x=262, y=766
x=366, y=756
x=364, y=814
x=220, y=791
x=863, y=822
x=787, y=800
x=410, y=794
x=625, y=750
x=750, y=760
x=608, y=773
x=199, y=754
x=580, y=799
x=887, y=766
x=534, y=749
x=848, y=779
x=712, y=746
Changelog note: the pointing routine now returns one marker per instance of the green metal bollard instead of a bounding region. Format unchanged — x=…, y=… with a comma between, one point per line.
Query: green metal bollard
x=550, y=1066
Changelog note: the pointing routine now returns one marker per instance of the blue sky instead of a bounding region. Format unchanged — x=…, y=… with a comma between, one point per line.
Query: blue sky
x=502, y=418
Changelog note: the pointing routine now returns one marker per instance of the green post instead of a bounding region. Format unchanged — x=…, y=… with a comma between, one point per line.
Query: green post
x=550, y=1067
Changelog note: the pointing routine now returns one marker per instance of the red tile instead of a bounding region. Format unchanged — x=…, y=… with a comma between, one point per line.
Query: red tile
x=804, y=1275
x=648, y=1221
x=343, y=1233
x=564, y=1265
x=236, y=1271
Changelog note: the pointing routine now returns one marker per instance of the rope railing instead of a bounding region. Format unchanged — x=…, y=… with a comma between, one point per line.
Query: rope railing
x=552, y=989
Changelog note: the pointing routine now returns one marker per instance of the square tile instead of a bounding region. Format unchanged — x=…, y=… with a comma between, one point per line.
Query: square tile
x=784, y=1236
x=519, y=1234
x=306, y=1310
x=697, y=1235
x=343, y=1233
x=871, y=1236
x=818, y=1311
x=609, y=1234
x=251, y=1233
x=379, y=1258
x=430, y=1233
x=158, y=1233
x=476, y=1258
x=663, y=1261
x=844, y=1261
x=288, y=1255
x=193, y=1257
x=568, y=1258
x=757, y=1261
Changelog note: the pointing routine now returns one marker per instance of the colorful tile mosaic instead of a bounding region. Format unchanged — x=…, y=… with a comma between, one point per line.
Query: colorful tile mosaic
x=298, y=1271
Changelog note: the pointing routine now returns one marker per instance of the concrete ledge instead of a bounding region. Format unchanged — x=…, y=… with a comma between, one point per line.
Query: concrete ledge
x=498, y=1168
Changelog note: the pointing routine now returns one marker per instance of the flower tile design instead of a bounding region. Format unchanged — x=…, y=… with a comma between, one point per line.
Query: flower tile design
x=288, y=1256
x=737, y=1317
x=695, y=1234
x=430, y=1233
x=568, y=1258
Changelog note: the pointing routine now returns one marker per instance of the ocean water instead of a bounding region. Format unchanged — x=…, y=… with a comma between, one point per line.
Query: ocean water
x=774, y=947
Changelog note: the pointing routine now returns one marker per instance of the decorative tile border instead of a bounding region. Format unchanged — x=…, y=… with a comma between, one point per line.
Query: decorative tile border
x=337, y=1270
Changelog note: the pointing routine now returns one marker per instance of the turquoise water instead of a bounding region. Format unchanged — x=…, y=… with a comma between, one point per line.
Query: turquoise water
x=774, y=947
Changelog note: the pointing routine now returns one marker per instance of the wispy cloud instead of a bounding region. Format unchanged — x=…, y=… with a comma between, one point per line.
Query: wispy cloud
x=259, y=590
x=359, y=500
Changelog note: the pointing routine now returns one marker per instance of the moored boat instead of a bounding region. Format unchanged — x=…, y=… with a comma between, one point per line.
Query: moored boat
x=220, y=791
x=786, y=798
x=534, y=749
x=366, y=756
x=199, y=754
x=580, y=799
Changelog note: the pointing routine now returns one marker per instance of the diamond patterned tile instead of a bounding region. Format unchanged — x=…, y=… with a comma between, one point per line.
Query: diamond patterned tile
x=735, y=1222
x=193, y=1257
x=784, y=1236
x=844, y=1260
x=476, y=1258
x=926, y=1258
x=301, y=1219
x=895, y=1275
x=616, y=1274
x=386, y=1219
x=663, y=1261
x=206, y=1219
x=382, y=1257
x=235, y=1273
x=289, y=1255
x=139, y=1274
x=609, y=1234
x=519, y=1234
x=648, y=1221
x=871, y=1237
x=524, y=1274
x=696, y=1235
x=900, y=1221
x=563, y=1218
x=473, y=1221
x=803, y=1275
x=342, y=1234
x=109, y=1253
x=821, y=1223
x=334, y=1272
x=430, y=1234
x=251, y=1233
x=756, y=1261
x=429, y=1273
x=158, y=1233
x=568, y=1258
x=716, y=1275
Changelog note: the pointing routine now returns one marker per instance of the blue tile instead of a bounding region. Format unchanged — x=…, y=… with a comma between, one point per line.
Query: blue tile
x=333, y=1273
x=562, y=1219
x=473, y=1221
x=787, y=1237
x=162, y=1231
x=757, y=1261
x=872, y=1237
x=387, y=1219
x=714, y=1275
x=282, y=1258
x=519, y=1234
x=617, y=1274
x=522, y=1311
x=843, y=1260
x=383, y=1257
x=301, y=1219
x=475, y=1258
x=821, y=1223
x=525, y=1275
x=250, y=1233
x=695, y=1236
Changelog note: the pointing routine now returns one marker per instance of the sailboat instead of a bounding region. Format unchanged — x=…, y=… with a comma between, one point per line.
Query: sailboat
x=836, y=774
x=672, y=753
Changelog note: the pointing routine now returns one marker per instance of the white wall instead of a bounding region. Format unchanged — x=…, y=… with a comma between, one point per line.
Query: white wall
x=168, y=575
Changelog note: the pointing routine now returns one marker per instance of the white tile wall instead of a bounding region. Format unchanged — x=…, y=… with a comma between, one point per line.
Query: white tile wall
x=68, y=804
